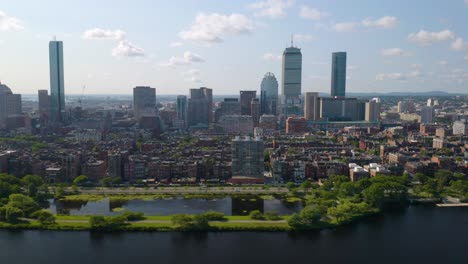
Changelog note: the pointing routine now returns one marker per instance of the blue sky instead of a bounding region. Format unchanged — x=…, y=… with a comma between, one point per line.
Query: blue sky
x=112, y=46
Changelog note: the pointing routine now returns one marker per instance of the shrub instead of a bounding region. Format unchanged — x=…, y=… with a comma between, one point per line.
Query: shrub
x=272, y=216
x=256, y=215
x=133, y=216
x=215, y=216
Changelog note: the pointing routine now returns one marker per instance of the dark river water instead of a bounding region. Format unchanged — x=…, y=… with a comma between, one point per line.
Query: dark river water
x=422, y=234
x=178, y=205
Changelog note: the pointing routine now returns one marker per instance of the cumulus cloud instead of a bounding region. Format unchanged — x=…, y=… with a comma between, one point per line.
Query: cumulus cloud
x=466, y=2
x=312, y=13
x=383, y=22
x=8, y=23
x=211, y=28
x=424, y=37
x=176, y=44
x=99, y=33
x=127, y=49
x=271, y=8
x=459, y=44
x=345, y=27
x=187, y=58
x=443, y=62
x=393, y=52
x=271, y=57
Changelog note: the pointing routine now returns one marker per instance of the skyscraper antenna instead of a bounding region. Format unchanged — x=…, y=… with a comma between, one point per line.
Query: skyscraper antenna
x=292, y=40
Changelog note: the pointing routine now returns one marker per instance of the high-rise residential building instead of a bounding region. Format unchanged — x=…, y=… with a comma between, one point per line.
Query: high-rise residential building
x=296, y=125
x=311, y=106
x=200, y=107
x=269, y=94
x=247, y=157
x=246, y=101
x=292, y=76
x=427, y=114
x=10, y=104
x=144, y=101
x=372, y=111
x=44, y=103
x=338, y=74
x=57, y=91
x=255, y=111
x=181, y=109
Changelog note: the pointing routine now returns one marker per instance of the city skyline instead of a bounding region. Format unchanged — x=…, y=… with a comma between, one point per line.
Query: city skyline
x=389, y=49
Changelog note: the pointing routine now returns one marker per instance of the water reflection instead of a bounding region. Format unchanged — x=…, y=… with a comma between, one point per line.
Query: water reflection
x=229, y=206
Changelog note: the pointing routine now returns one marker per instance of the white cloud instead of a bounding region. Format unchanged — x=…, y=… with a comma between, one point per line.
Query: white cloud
x=211, y=28
x=302, y=37
x=176, y=44
x=390, y=76
x=345, y=27
x=459, y=44
x=8, y=23
x=466, y=2
x=127, y=49
x=271, y=8
x=98, y=33
x=466, y=56
x=392, y=52
x=312, y=13
x=383, y=22
x=426, y=37
x=271, y=57
x=415, y=74
x=187, y=59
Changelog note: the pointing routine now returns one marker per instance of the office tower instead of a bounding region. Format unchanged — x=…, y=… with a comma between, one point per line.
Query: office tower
x=44, y=103
x=341, y=109
x=430, y=102
x=144, y=101
x=255, y=111
x=296, y=125
x=181, y=109
x=269, y=94
x=57, y=92
x=311, y=106
x=237, y=124
x=338, y=75
x=10, y=104
x=372, y=110
x=246, y=100
x=427, y=114
x=247, y=157
x=292, y=76
x=200, y=107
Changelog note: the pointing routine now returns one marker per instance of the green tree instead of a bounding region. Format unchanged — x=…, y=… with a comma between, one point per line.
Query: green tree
x=32, y=184
x=26, y=204
x=44, y=217
x=181, y=220
x=290, y=185
x=310, y=216
x=10, y=214
x=106, y=181
x=80, y=180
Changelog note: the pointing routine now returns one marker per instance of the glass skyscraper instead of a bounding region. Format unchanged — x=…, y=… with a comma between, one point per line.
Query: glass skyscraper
x=57, y=93
x=338, y=79
x=269, y=94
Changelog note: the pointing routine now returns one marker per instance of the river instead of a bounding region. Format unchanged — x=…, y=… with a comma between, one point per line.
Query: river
x=418, y=234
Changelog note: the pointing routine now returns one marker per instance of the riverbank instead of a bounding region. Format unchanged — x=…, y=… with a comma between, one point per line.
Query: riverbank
x=154, y=224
